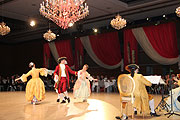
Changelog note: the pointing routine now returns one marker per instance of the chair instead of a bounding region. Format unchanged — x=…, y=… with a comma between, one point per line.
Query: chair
x=102, y=89
x=126, y=87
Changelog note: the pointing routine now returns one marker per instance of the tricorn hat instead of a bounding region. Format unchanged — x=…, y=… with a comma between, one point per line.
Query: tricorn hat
x=61, y=58
x=131, y=67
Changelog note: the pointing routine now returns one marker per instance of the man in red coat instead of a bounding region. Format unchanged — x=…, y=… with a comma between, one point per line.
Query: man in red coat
x=61, y=77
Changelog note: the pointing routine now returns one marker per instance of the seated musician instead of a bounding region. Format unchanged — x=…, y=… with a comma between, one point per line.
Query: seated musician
x=143, y=100
x=175, y=96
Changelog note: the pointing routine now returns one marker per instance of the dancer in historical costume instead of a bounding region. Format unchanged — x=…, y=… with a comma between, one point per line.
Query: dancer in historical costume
x=143, y=100
x=35, y=90
x=82, y=86
x=175, y=97
x=61, y=77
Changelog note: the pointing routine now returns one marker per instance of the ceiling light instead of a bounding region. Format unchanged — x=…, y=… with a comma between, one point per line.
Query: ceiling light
x=63, y=12
x=49, y=35
x=178, y=11
x=118, y=23
x=71, y=24
x=95, y=30
x=32, y=23
x=4, y=30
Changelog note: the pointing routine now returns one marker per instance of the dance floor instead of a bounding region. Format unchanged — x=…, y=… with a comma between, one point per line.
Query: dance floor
x=100, y=106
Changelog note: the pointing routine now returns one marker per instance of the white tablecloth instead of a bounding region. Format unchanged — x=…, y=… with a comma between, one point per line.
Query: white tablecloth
x=107, y=84
x=155, y=79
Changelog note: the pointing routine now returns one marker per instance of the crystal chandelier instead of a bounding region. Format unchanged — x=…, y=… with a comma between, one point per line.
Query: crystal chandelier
x=178, y=11
x=49, y=35
x=118, y=23
x=4, y=30
x=64, y=12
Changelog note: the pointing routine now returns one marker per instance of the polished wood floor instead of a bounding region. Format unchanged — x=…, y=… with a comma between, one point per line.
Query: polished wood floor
x=100, y=106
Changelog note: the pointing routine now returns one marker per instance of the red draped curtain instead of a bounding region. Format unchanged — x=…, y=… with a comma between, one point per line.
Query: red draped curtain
x=163, y=39
x=106, y=47
x=130, y=48
x=46, y=55
x=64, y=49
x=79, y=54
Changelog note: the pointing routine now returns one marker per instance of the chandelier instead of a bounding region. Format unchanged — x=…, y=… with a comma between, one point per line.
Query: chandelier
x=118, y=23
x=49, y=35
x=178, y=11
x=4, y=30
x=64, y=12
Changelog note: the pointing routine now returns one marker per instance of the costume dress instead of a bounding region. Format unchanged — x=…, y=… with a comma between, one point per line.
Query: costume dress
x=82, y=86
x=35, y=86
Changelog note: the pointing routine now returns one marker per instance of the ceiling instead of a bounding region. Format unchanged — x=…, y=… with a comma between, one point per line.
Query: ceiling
x=20, y=12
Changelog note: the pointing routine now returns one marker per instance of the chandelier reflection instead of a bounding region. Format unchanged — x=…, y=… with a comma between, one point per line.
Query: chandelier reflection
x=64, y=12
x=4, y=30
x=118, y=23
x=49, y=35
x=178, y=11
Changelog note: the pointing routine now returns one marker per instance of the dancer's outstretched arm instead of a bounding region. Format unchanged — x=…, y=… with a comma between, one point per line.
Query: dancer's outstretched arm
x=17, y=79
x=90, y=77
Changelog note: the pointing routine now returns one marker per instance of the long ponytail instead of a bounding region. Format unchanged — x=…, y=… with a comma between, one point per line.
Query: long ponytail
x=132, y=72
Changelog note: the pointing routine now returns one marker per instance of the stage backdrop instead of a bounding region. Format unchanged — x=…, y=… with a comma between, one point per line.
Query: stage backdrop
x=159, y=42
x=130, y=48
x=58, y=49
x=104, y=49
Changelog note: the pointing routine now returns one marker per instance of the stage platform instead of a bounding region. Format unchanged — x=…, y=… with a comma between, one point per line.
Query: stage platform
x=100, y=106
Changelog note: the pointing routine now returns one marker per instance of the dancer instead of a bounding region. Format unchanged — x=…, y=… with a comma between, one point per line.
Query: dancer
x=61, y=77
x=35, y=90
x=143, y=100
x=82, y=86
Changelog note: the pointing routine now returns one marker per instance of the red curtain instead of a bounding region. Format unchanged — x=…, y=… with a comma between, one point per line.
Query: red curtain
x=106, y=47
x=163, y=39
x=64, y=49
x=130, y=48
x=46, y=55
x=79, y=54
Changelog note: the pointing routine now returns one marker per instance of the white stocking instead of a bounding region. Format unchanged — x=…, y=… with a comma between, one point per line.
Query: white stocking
x=62, y=96
x=151, y=104
x=66, y=94
x=59, y=96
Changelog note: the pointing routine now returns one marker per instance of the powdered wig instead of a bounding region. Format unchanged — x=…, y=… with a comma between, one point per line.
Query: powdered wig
x=31, y=64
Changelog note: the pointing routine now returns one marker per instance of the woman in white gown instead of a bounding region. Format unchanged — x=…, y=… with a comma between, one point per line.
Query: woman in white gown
x=82, y=86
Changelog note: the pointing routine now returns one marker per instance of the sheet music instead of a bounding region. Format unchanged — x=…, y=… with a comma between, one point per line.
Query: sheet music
x=155, y=79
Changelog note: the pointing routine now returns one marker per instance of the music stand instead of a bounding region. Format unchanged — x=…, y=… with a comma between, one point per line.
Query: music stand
x=162, y=104
x=171, y=112
x=158, y=80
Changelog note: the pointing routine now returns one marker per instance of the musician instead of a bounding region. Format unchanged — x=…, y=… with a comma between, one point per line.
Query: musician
x=143, y=100
x=175, y=96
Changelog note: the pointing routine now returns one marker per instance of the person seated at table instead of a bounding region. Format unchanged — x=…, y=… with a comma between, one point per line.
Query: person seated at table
x=108, y=85
x=101, y=83
x=143, y=100
x=114, y=84
x=95, y=85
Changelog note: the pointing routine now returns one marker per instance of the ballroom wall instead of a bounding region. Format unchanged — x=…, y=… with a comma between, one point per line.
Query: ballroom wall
x=15, y=58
